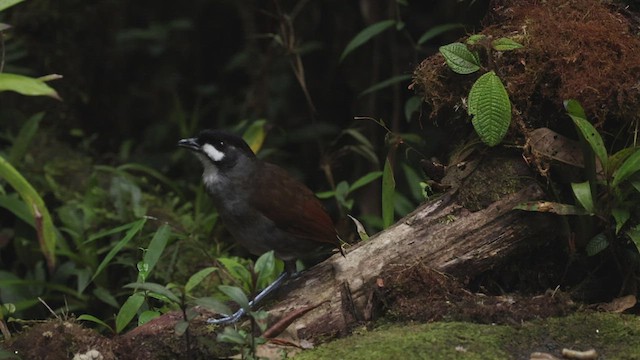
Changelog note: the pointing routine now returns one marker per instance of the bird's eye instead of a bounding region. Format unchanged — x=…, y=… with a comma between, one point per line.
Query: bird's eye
x=221, y=144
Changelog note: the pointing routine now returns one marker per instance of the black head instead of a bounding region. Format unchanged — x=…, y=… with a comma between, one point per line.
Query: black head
x=218, y=147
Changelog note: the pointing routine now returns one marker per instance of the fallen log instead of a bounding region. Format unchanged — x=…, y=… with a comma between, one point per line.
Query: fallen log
x=440, y=234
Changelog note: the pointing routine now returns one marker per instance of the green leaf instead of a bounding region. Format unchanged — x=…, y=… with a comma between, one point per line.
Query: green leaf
x=105, y=296
x=236, y=295
x=505, y=44
x=128, y=310
x=156, y=247
x=388, y=193
x=237, y=271
x=94, y=319
x=582, y=192
x=26, y=86
x=197, y=278
x=629, y=167
x=255, y=135
x=474, y=39
x=459, y=58
x=155, y=288
x=5, y=4
x=357, y=135
x=265, y=267
x=231, y=336
x=23, y=140
x=634, y=235
x=365, y=35
x=597, y=244
x=490, y=107
x=437, y=30
x=47, y=235
x=137, y=226
x=18, y=207
x=589, y=133
x=412, y=105
x=385, y=83
x=620, y=215
x=147, y=316
x=213, y=305
x=366, y=179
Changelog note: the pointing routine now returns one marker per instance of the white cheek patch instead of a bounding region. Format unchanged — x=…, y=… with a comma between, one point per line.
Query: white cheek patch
x=213, y=153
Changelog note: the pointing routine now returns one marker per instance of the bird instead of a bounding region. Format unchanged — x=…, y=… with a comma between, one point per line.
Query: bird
x=262, y=206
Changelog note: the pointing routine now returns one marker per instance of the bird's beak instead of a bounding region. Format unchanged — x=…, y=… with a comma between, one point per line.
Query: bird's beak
x=190, y=144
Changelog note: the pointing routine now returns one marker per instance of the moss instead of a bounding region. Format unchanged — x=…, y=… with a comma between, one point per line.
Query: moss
x=613, y=336
x=417, y=341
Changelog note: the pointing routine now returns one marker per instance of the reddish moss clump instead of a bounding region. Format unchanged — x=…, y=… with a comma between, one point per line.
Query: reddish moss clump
x=582, y=50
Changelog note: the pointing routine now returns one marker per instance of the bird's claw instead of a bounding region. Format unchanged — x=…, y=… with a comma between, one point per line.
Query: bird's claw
x=227, y=319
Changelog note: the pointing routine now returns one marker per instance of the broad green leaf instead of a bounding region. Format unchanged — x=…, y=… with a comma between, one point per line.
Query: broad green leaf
x=597, y=244
x=105, y=296
x=17, y=207
x=629, y=167
x=582, y=192
x=366, y=179
x=255, y=135
x=437, y=30
x=237, y=271
x=459, y=58
x=156, y=247
x=616, y=160
x=197, y=278
x=388, y=194
x=147, y=316
x=634, y=235
x=94, y=319
x=43, y=223
x=365, y=35
x=119, y=245
x=413, y=182
x=26, y=86
x=474, y=39
x=385, y=83
x=231, y=336
x=267, y=267
x=490, y=107
x=5, y=4
x=505, y=44
x=213, y=305
x=236, y=295
x=620, y=215
x=23, y=140
x=551, y=207
x=412, y=105
x=155, y=288
x=357, y=135
x=589, y=133
x=128, y=310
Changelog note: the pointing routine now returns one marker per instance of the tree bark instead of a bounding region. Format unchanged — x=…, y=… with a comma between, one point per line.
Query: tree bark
x=441, y=234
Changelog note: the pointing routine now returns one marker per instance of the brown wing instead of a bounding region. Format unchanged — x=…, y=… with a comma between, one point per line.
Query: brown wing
x=292, y=206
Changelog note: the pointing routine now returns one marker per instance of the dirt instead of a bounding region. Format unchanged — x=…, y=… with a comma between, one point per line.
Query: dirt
x=418, y=293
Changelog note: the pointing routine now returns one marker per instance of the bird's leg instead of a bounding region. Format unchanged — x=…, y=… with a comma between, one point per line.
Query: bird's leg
x=261, y=295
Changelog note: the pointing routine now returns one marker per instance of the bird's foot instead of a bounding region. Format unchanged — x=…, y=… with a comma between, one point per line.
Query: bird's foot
x=238, y=314
x=227, y=319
